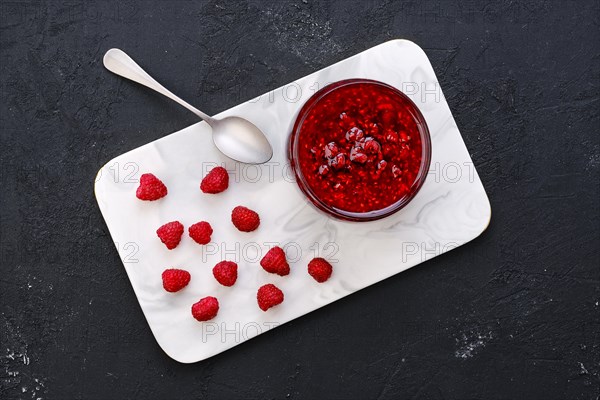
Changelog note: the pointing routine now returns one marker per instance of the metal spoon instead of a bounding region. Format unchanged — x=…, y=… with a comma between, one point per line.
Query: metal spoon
x=235, y=137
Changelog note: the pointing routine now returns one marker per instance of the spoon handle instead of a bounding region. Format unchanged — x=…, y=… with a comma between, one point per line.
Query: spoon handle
x=118, y=62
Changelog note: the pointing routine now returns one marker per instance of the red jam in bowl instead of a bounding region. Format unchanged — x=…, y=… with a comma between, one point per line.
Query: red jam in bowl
x=360, y=149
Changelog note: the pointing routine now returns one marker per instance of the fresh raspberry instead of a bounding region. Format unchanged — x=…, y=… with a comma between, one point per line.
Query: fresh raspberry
x=206, y=309
x=274, y=262
x=170, y=234
x=319, y=269
x=216, y=181
x=201, y=232
x=175, y=279
x=245, y=219
x=225, y=273
x=269, y=296
x=151, y=188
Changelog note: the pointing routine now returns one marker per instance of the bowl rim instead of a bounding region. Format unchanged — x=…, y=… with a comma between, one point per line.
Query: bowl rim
x=369, y=215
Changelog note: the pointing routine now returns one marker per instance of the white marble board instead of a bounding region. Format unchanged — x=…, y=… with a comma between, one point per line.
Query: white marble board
x=451, y=209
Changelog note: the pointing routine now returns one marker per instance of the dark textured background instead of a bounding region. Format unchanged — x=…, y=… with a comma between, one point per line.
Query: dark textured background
x=512, y=315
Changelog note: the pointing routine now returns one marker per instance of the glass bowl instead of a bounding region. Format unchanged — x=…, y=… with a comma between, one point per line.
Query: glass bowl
x=360, y=149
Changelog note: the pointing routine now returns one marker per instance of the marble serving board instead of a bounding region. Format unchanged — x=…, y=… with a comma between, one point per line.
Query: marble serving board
x=451, y=209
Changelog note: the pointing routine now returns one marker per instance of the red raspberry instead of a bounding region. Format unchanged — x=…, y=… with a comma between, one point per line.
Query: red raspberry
x=319, y=269
x=201, y=232
x=206, y=309
x=175, y=279
x=274, y=262
x=170, y=234
x=216, y=181
x=269, y=296
x=225, y=273
x=151, y=188
x=245, y=219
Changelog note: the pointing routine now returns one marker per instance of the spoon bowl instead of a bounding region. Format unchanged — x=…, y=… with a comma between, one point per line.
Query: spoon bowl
x=241, y=140
x=235, y=137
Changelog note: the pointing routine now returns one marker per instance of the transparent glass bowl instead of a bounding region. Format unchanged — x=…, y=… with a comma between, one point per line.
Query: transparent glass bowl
x=337, y=212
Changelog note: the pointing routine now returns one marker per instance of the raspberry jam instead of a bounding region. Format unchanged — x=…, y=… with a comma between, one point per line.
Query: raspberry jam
x=360, y=149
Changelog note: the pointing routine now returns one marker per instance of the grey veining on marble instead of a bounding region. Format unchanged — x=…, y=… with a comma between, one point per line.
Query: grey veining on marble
x=451, y=209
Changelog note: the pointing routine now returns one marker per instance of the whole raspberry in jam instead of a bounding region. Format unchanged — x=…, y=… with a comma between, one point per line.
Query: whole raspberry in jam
x=354, y=134
x=338, y=162
x=269, y=296
x=357, y=155
x=371, y=146
x=331, y=150
x=151, y=188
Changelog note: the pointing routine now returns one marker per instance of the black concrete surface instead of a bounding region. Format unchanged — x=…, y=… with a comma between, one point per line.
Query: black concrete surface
x=512, y=315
